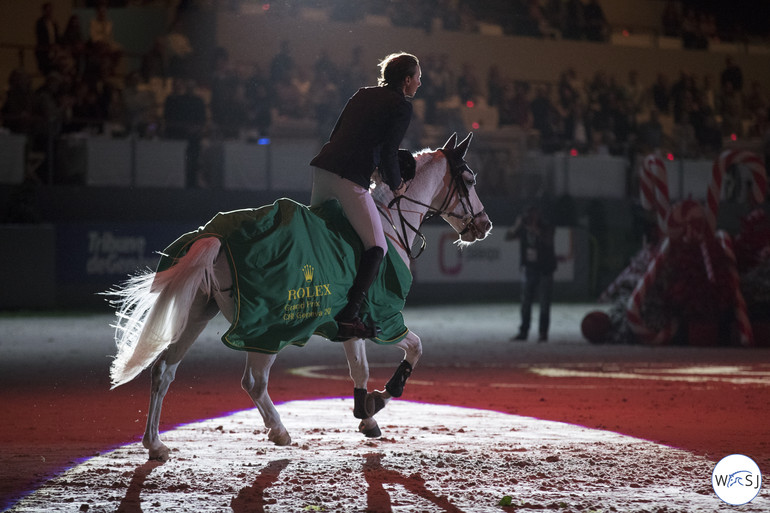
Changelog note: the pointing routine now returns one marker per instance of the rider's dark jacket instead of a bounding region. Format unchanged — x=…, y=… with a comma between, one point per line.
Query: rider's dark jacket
x=366, y=136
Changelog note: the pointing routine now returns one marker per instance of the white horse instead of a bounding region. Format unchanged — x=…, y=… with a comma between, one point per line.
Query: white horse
x=160, y=314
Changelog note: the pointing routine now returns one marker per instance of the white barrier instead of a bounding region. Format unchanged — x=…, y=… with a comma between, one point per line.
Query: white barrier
x=12, y=147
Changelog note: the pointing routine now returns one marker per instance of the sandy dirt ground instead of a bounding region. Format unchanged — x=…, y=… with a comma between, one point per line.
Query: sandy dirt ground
x=564, y=426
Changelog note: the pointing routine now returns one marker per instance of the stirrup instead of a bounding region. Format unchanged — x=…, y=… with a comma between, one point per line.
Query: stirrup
x=395, y=386
x=355, y=328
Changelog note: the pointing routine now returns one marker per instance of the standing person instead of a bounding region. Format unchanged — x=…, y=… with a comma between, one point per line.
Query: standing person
x=46, y=38
x=366, y=136
x=538, y=263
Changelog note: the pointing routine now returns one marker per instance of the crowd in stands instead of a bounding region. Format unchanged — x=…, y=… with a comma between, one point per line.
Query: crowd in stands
x=82, y=91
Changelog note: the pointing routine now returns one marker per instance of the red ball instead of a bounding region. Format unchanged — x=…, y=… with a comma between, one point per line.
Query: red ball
x=596, y=327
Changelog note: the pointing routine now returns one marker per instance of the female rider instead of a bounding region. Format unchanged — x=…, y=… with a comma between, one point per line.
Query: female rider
x=366, y=137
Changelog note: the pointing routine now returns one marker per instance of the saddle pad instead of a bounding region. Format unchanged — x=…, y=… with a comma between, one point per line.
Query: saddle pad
x=292, y=267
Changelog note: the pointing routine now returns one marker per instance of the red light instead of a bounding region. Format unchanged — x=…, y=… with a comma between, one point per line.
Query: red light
x=670, y=156
x=475, y=125
x=733, y=137
x=573, y=152
x=470, y=104
x=626, y=33
x=266, y=7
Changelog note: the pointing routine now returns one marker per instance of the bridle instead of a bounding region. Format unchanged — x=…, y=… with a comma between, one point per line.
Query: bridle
x=457, y=188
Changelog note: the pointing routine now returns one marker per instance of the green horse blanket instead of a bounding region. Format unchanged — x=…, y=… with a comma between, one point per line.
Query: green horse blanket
x=292, y=267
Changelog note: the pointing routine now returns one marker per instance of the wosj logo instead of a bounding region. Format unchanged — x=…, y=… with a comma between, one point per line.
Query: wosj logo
x=736, y=479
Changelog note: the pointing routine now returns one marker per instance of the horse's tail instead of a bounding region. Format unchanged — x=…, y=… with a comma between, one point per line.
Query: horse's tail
x=153, y=308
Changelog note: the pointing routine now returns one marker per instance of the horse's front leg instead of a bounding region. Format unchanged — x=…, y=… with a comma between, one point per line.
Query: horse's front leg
x=164, y=372
x=358, y=364
x=254, y=382
x=378, y=399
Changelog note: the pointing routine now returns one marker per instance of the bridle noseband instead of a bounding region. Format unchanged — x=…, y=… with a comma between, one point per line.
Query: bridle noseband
x=458, y=188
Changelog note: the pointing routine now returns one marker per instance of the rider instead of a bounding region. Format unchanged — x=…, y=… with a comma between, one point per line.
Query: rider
x=366, y=137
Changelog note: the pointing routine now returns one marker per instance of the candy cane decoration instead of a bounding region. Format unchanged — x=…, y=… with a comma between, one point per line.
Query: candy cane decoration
x=726, y=159
x=654, y=189
x=741, y=311
x=634, y=308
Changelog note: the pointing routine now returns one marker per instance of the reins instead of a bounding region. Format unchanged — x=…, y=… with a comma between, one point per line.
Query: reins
x=457, y=185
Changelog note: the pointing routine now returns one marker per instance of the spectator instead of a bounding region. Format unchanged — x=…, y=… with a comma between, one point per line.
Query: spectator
x=574, y=20
x=73, y=42
x=258, y=102
x=282, y=65
x=468, y=87
x=731, y=110
x=87, y=112
x=634, y=94
x=102, y=41
x=596, y=26
x=545, y=118
x=733, y=74
x=650, y=134
x=671, y=19
x=154, y=61
x=495, y=85
x=661, y=94
x=184, y=116
x=139, y=108
x=755, y=100
x=17, y=108
x=46, y=39
x=577, y=131
x=227, y=103
x=514, y=109
x=690, y=29
x=179, y=52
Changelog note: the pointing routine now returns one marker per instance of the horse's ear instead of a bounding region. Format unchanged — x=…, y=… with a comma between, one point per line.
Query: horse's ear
x=463, y=146
x=451, y=143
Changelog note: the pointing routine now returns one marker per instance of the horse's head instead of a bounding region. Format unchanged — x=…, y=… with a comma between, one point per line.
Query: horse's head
x=458, y=203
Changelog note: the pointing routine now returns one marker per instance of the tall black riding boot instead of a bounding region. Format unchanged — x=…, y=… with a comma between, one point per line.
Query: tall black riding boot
x=348, y=319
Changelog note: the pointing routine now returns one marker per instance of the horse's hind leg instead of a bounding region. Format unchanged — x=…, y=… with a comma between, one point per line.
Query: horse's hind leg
x=164, y=371
x=254, y=382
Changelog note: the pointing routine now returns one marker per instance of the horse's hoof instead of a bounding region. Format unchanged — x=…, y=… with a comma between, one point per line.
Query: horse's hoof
x=376, y=401
x=279, y=437
x=370, y=431
x=161, y=453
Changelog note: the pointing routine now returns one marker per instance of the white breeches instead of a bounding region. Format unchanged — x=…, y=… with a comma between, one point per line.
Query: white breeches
x=356, y=202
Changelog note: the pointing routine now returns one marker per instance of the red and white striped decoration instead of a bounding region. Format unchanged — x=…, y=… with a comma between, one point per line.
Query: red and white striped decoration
x=726, y=159
x=635, y=302
x=653, y=187
x=741, y=311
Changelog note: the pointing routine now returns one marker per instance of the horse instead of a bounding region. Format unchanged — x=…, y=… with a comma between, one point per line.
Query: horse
x=161, y=313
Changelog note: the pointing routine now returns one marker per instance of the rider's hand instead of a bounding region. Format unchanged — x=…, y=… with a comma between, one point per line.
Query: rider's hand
x=401, y=189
